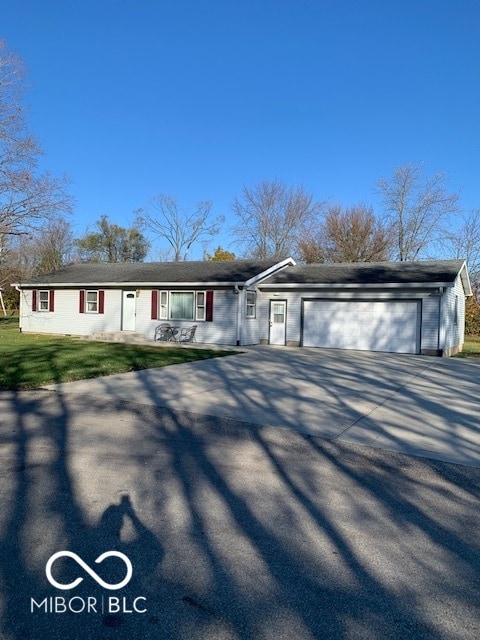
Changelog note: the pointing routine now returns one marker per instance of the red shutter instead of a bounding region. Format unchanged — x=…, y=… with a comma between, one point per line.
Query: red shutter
x=154, y=314
x=51, y=300
x=34, y=300
x=101, y=302
x=209, y=307
x=82, y=301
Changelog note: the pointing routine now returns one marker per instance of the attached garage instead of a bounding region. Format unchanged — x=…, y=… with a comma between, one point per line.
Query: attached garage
x=367, y=325
x=402, y=307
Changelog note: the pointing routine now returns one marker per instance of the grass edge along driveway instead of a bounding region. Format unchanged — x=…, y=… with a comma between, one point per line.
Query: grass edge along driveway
x=28, y=361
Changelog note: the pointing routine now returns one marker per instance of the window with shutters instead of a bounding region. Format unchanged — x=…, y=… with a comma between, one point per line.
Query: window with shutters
x=182, y=305
x=43, y=300
x=92, y=301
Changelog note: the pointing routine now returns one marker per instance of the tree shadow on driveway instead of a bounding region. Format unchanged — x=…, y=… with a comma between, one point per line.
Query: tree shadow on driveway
x=233, y=530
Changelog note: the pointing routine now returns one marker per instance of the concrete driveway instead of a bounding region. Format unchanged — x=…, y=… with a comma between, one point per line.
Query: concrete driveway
x=237, y=531
x=410, y=404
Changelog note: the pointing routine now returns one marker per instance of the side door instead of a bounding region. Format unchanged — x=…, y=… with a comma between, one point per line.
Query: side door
x=278, y=322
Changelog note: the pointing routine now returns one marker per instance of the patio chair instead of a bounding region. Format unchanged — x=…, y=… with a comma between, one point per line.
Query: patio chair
x=187, y=334
x=165, y=333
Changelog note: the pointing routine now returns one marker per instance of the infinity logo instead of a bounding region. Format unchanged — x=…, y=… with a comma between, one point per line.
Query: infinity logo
x=91, y=572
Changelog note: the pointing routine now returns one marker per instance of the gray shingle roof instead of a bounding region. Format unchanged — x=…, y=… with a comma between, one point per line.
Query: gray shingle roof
x=238, y=271
x=369, y=273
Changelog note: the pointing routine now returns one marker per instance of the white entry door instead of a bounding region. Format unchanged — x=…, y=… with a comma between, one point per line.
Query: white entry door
x=128, y=310
x=278, y=321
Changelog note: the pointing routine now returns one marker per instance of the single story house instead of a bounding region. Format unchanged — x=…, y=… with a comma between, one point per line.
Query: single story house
x=404, y=307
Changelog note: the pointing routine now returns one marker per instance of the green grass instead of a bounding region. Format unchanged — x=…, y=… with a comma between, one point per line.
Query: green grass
x=28, y=361
x=471, y=348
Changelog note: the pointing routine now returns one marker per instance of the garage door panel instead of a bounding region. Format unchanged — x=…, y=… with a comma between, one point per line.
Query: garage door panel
x=366, y=325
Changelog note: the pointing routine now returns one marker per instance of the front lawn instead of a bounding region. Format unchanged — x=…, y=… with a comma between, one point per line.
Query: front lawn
x=29, y=360
x=471, y=348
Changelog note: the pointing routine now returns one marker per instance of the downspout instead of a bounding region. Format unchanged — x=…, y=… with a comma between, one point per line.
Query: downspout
x=440, y=321
x=238, y=292
x=20, y=309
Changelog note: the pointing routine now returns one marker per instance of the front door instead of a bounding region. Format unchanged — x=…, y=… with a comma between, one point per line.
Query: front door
x=128, y=310
x=278, y=321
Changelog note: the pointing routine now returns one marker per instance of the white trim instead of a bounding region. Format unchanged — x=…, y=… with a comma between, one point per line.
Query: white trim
x=39, y=309
x=97, y=301
x=467, y=287
x=288, y=262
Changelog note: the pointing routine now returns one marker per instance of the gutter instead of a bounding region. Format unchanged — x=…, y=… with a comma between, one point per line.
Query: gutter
x=125, y=283
x=355, y=285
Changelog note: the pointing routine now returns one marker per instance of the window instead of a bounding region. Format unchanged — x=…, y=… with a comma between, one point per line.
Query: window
x=455, y=312
x=43, y=301
x=251, y=304
x=279, y=313
x=92, y=302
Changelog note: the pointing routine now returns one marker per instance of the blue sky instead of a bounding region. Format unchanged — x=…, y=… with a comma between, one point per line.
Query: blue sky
x=195, y=98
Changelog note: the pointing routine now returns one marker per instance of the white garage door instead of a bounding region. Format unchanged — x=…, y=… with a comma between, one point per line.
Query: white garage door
x=366, y=325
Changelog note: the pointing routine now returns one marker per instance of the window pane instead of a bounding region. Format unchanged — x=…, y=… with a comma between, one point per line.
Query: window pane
x=181, y=304
x=200, y=298
x=163, y=305
x=278, y=313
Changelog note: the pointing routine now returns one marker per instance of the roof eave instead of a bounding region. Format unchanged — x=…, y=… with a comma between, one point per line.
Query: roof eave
x=156, y=284
x=356, y=285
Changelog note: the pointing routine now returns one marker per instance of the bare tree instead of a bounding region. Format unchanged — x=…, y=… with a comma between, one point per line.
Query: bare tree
x=348, y=235
x=180, y=228
x=27, y=197
x=24, y=256
x=416, y=206
x=463, y=241
x=272, y=218
x=54, y=245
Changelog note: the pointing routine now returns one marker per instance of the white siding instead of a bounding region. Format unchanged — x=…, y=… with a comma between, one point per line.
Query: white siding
x=453, y=322
x=250, y=326
x=66, y=318
x=430, y=322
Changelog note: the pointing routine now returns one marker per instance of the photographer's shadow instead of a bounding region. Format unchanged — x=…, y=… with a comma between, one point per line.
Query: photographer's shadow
x=120, y=529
